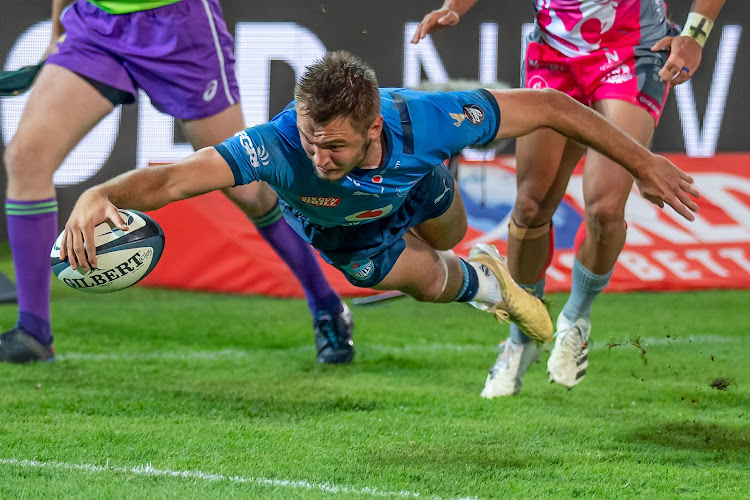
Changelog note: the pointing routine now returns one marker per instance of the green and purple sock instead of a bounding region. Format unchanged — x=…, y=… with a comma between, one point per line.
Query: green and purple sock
x=32, y=230
x=301, y=259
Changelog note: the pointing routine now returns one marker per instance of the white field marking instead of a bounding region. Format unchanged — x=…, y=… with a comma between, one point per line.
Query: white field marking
x=149, y=470
x=417, y=347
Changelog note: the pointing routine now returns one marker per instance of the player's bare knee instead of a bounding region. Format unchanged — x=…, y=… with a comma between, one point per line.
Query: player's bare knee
x=432, y=286
x=528, y=212
x=604, y=219
x=24, y=166
x=13, y=160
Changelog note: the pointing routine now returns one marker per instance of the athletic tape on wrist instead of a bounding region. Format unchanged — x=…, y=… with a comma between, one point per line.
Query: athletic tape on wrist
x=697, y=27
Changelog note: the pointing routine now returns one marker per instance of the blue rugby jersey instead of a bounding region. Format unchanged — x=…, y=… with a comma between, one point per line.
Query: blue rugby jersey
x=421, y=130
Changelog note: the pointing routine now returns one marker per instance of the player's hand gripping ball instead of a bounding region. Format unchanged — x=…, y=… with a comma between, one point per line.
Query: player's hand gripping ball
x=123, y=257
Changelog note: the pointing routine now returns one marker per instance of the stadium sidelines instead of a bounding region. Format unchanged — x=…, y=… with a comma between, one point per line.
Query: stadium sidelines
x=417, y=347
x=149, y=470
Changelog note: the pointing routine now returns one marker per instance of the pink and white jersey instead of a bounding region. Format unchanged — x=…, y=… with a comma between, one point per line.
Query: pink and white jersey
x=578, y=27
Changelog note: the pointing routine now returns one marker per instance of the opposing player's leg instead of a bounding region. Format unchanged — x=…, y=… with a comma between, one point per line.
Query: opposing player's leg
x=61, y=109
x=606, y=187
x=332, y=320
x=193, y=79
x=545, y=160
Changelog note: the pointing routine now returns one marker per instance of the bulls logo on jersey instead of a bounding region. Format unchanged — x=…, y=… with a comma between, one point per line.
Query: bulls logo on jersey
x=474, y=114
x=360, y=270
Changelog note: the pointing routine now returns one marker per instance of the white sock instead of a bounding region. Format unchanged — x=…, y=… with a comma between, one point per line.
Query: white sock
x=489, y=288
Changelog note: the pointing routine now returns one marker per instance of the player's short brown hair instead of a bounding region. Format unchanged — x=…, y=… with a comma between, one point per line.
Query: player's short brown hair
x=339, y=85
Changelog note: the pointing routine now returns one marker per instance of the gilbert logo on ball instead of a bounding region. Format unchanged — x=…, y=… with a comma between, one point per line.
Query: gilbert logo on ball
x=123, y=257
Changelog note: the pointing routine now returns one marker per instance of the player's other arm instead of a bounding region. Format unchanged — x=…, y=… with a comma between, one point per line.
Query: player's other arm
x=144, y=189
x=659, y=181
x=686, y=50
x=447, y=15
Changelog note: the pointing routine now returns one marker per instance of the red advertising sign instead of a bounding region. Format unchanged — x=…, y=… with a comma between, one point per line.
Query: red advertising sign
x=212, y=246
x=662, y=251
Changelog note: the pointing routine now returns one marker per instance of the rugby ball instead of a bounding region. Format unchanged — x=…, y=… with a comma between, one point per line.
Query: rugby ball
x=123, y=257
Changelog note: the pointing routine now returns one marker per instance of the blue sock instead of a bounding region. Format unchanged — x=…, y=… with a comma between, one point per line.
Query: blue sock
x=584, y=289
x=470, y=286
x=516, y=335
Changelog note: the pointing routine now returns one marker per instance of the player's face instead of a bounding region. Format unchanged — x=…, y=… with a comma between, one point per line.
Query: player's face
x=336, y=148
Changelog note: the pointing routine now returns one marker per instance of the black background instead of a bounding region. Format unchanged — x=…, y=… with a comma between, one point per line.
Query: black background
x=374, y=31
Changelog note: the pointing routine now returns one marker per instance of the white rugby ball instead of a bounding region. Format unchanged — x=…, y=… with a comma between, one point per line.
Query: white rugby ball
x=123, y=257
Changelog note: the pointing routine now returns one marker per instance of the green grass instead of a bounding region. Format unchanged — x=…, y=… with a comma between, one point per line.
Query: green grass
x=227, y=385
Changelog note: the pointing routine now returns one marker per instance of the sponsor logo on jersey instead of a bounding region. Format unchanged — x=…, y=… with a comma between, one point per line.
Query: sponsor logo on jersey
x=620, y=74
x=616, y=79
x=474, y=114
x=257, y=156
x=360, y=270
x=536, y=64
x=612, y=56
x=210, y=92
x=459, y=117
x=374, y=213
x=536, y=82
x=320, y=201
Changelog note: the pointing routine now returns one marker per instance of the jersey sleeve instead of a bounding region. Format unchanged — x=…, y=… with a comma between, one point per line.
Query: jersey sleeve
x=250, y=153
x=446, y=122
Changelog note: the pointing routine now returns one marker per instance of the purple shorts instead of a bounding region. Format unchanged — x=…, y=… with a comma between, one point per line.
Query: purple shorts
x=180, y=54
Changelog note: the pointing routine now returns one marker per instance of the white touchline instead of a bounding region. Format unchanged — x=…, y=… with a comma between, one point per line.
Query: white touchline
x=416, y=346
x=149, y=470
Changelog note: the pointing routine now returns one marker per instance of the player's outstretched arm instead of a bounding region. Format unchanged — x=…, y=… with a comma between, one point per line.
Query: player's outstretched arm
x=143, y=189
x=524, y=110
x=447, y=15
x=686, y=50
